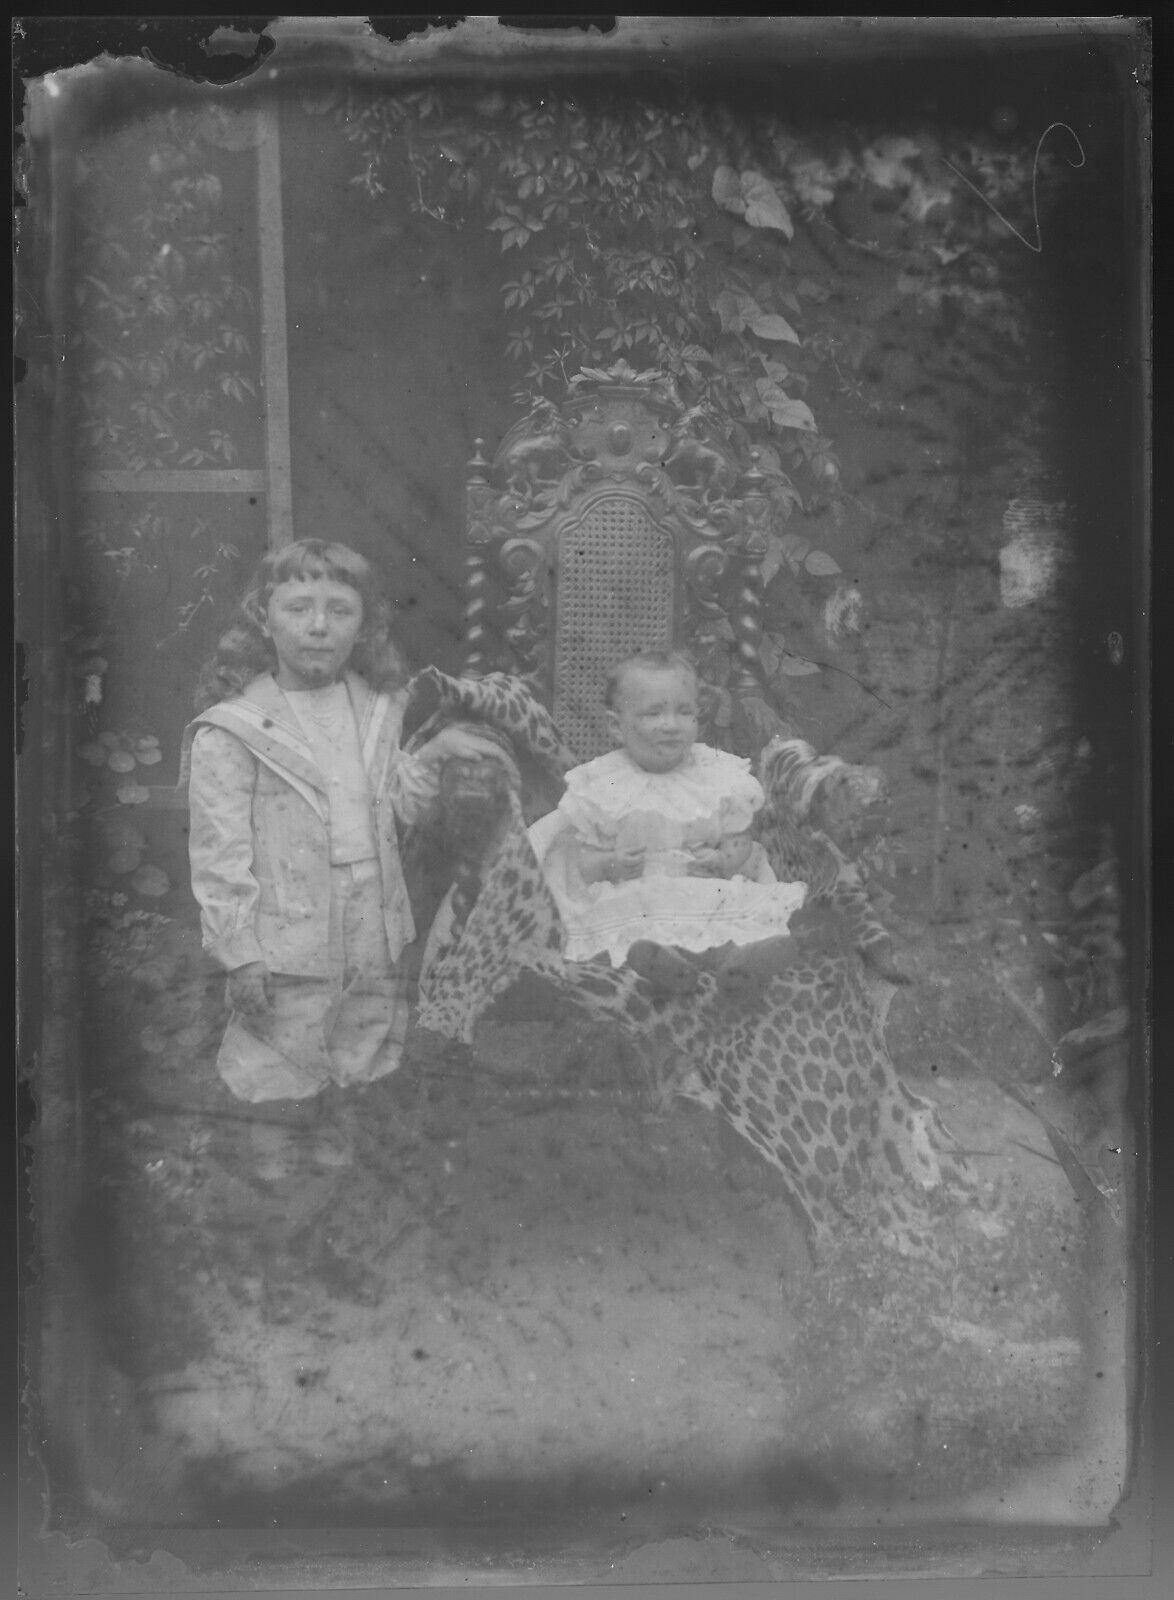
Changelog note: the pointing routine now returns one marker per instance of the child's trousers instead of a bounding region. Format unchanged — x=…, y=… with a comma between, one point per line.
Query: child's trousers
x=347, y=1030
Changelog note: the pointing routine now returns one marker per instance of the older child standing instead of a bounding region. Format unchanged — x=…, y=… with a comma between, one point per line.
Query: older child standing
x=296, y=780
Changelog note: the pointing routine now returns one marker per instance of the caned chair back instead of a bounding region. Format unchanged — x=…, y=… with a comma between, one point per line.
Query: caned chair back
x=613, y=523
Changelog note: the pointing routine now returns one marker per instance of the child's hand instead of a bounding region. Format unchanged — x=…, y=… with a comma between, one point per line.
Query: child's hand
x=616, y=866
x=250, y=989
x=463, y=742
x=721, y=860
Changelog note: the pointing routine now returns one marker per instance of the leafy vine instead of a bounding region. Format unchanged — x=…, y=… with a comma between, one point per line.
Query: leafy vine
x=691, y=238
x=159, y=317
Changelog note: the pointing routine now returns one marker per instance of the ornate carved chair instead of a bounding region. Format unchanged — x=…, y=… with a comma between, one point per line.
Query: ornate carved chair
x=611, y=523
x=614, y=522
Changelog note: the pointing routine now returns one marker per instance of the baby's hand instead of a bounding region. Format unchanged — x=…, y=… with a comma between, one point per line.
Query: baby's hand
x=596, y=863
x=706, y=861
x=720, y=860
x=250, y=989
x=625, y=864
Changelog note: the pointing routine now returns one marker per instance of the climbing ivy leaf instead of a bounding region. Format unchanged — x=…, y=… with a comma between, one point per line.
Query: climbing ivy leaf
x=737, y=311
x=785, y=412
x=764, y=206
x=822, y=565
x=793, y=549
x=753, y=196
x=729, y=307
x=722, y=713
x=727, y=190
x=768, y=324
x=152, y=881
x=748, y=394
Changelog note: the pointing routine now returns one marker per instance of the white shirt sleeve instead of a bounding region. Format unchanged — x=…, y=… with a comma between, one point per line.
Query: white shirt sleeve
x=220, y=846
x=741, y=796
x=589, y=806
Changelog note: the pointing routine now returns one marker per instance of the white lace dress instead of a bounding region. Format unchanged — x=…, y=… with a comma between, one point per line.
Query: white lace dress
x=614, y=804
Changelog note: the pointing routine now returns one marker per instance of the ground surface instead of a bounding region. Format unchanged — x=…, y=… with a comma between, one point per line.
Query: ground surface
x=530, y=1290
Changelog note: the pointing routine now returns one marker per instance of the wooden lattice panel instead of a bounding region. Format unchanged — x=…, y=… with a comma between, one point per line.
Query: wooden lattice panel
x=614, y=594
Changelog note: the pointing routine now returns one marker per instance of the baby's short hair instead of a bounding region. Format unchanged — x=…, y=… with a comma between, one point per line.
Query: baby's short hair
x=646, y=661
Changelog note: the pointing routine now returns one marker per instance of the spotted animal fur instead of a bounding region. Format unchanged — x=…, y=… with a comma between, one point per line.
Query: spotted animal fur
x=803, y=790
x=802, y=1072
x=499, y=699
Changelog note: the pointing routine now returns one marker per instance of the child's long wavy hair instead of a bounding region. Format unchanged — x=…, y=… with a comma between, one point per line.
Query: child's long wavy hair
x=244, y=651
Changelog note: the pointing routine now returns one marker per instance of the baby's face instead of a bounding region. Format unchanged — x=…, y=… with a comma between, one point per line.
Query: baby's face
x=655, y=716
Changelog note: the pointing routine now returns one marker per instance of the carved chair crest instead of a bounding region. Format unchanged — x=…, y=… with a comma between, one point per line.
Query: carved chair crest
x=613, y=522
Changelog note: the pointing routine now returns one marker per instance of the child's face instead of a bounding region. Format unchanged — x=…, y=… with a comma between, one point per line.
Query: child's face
x=655, y=716
x=313, y=623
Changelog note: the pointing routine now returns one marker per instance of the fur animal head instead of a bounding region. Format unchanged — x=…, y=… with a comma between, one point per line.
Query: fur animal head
x=824, y=791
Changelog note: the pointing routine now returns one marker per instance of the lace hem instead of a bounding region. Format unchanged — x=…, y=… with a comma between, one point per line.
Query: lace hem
x=694, y=913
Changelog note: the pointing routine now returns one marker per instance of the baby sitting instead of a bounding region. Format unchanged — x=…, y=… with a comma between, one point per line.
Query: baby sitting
x=649, y=855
